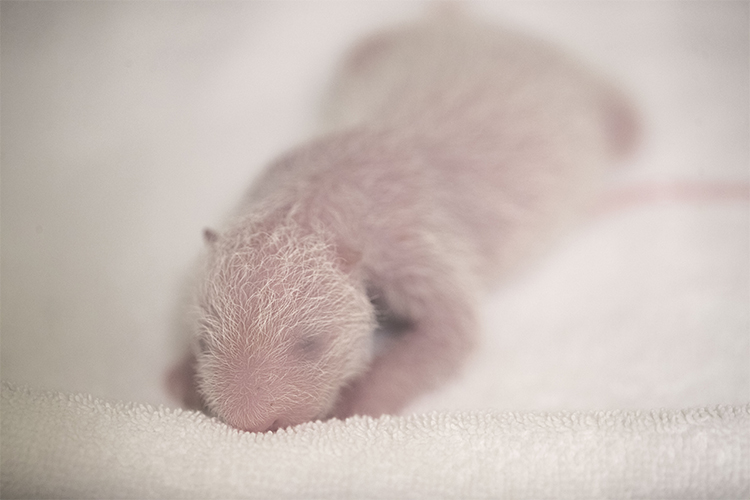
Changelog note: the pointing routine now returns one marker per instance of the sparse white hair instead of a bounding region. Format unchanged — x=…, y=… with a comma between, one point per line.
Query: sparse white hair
x=277, y=295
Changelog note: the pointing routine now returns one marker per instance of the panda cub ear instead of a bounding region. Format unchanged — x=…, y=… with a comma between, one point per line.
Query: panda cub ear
x=210, y=236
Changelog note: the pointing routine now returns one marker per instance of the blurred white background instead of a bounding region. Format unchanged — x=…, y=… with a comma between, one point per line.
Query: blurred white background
x=127, y=127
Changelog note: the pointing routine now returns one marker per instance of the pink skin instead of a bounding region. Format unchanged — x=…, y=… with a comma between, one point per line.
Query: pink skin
x=674, y=191
x=454, y=153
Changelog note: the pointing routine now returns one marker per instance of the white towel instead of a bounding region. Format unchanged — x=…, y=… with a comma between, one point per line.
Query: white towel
x=65, y=445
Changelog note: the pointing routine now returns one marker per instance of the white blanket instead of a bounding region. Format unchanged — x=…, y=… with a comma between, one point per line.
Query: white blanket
x=58, y=445
x=127, y=127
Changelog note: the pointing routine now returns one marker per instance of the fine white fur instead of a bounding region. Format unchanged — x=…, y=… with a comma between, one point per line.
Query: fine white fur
x=282, y=285
x=453, y=153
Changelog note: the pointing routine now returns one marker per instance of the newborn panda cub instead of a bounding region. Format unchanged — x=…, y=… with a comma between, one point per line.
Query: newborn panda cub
x=453, y=152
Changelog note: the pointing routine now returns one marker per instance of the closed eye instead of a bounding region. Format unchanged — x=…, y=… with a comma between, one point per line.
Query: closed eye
x=309, y=347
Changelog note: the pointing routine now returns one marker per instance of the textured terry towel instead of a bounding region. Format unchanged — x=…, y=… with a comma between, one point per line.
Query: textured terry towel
x=61, y=445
